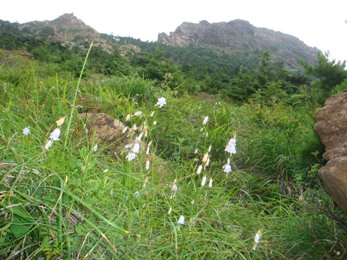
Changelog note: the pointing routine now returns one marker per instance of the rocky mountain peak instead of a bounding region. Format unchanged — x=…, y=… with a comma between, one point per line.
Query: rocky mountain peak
x=66, y=29
x=238, y=36
x=68, y=21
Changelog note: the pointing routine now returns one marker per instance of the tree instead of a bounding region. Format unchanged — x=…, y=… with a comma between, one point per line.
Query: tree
x=328, y=74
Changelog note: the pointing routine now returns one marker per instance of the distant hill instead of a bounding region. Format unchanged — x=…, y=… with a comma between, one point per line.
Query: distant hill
x=237, y=37
x=234, y=38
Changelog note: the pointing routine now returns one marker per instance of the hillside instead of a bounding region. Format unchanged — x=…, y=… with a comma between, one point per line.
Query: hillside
x=196, y=58
x=123, y=168
x=128, y=150
x=238, y=36
x=235, y=39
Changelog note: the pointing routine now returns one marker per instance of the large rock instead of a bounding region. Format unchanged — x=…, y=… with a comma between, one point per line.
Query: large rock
x=113, y=137
x=331, y=127
x=107, y=131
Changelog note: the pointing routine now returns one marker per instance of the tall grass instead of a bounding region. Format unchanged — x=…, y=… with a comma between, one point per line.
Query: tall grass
x=70, y=201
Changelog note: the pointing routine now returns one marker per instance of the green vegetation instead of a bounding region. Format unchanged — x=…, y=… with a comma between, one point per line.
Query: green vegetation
x=74, y=201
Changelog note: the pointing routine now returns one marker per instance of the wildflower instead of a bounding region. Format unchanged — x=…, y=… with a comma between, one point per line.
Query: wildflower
x=161, y=102
x=26, y=131
x=124, y=130
x=148, y=146
x=203, y=182
x=205, y=158
x=210, y=148
x=127, y=118
x=54, y=136
x=148, y=163
x=152, y=114
x=204, y=122
x=131, y=156
x=231, y=146
x=95, y=148
x=138, y=138
x=181, y=220
x=174, y=187
x=256, y=239
x=155, y=123
x=145, y=182
x=48, y=144
x=196, y=151
x=199, y=169
x=227, y=168
x=136, y=148
x=207, y=162
x=170, y=210
x=138, y=113
x=210, y=183
x=136, y=194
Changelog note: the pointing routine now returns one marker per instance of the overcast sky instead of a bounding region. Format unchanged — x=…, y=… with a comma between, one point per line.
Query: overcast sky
x=319, y=23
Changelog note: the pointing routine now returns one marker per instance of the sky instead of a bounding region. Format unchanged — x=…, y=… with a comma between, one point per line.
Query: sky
x=318, y=23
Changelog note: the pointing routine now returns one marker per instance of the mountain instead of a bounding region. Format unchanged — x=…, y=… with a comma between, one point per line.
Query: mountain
x=240, y=36
x=237, y=40
x=68, y=30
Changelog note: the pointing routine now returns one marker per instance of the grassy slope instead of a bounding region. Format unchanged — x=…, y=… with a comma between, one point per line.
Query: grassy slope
x=69, y=201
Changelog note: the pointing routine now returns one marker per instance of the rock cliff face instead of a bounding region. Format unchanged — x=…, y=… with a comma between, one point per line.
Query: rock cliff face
x=240, y=36
x=66, y=29
x=331, y=127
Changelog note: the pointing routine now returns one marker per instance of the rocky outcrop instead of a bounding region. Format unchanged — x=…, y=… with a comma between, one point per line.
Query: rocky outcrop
x=331, y=127
x=117, y=140
x=240, y=36
x=106, y=130
x=68, y=30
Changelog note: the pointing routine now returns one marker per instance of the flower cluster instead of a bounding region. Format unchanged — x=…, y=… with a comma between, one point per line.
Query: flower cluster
x=231, y=149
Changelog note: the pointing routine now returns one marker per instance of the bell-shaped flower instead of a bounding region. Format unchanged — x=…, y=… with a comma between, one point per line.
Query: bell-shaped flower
x=161, y=102
x=199, y=169
x=148, y=164
x=136, y=148
x=203, y=182
x=231, y=146
x=138, y=113
x=204, y=122
x=131, y=156
x=256, y=239
x=174, y=188
x=48, y=144
x=54, y=136
x=148, y=147
x=227, y=167
x=26, y=131
x=210, y=183
x=205, y=157
x=181, y=220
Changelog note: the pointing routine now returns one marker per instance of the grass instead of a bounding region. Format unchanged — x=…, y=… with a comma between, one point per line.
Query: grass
x=72, y=202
